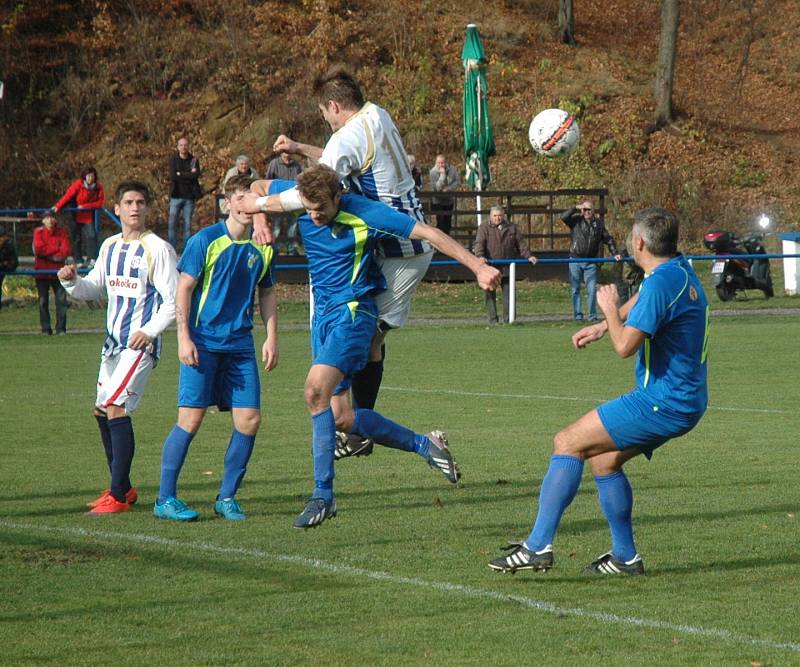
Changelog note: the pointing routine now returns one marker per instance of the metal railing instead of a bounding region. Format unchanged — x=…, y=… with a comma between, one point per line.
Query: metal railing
x=535, y=212
x=33, y=216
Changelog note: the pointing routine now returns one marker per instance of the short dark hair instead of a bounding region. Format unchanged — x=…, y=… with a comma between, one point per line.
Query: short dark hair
x=133, y=186
x=242, y=182
x=88, y=170
x=339, y=85
x=658, y=228
x=319, y=184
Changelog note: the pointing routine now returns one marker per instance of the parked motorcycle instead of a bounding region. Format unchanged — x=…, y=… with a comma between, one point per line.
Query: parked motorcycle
x=732, y=275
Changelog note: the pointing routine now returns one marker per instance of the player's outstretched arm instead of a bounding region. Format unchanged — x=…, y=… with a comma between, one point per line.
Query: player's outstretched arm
x=488, y=276
x=284, y=144
x=187, y=352
x=268, y=306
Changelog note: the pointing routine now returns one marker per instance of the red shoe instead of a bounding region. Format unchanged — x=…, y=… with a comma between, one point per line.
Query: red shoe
x=131, y=497
x=109, y=506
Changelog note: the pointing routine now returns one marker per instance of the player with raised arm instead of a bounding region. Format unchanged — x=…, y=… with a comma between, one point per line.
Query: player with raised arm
x=135, y=271
x=667, y=324
x=219, y=272
x=340, y=234
x=367, y=153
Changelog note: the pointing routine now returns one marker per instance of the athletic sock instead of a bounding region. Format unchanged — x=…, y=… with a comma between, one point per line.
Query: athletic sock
x=240, y=447
x=173, y=454
x=371, y=424
x=105, y=437
x=366, y=384
x=323, y=444
x=616, y=500
x=122, y=447
x=559, y=487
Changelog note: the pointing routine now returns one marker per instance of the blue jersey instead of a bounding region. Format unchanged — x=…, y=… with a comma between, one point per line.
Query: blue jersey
x=673, y=311
x=340, y=254
x=227, y=272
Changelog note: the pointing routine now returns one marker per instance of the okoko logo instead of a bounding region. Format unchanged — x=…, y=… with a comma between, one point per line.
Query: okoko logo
x=123, y=283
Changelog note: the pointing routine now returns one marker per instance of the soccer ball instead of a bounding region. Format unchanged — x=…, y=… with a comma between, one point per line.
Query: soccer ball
x=554, y=133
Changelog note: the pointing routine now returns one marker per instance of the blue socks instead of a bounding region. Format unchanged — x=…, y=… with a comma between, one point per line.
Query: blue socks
x=371, y=424
x=105, y=437
x=559, y=487
x=120, y=432
x=323, y=444
x=172, y=457
x=238, y=454
x=616, y=500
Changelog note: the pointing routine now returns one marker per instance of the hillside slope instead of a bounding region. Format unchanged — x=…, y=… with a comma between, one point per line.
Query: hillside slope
x=232, y=75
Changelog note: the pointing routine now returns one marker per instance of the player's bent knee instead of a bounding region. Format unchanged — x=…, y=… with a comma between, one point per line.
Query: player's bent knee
x=190, y=419
x=247, y=421
x=315, y=398
x=565, y=445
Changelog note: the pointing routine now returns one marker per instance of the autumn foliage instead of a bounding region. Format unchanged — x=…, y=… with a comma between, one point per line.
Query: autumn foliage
x=115, y=82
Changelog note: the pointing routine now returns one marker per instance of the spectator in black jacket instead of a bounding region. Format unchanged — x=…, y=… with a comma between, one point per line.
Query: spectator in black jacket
x=588, y=232
x=8, y=258
x=184, y=172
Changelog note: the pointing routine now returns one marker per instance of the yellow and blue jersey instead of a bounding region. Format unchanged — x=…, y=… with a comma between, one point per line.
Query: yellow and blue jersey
x=673, y=311
x=227, y=273
x=340, y=254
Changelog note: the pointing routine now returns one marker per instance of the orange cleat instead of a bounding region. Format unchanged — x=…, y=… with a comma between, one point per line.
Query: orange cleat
x=109, y=506
x=131, y=497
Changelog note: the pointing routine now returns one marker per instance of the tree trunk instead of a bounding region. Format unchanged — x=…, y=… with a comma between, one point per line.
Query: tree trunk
x=665, y=67
x=566, y=22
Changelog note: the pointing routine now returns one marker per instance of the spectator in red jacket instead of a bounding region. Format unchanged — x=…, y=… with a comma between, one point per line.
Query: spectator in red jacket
x=50, y=251
x=86, y=194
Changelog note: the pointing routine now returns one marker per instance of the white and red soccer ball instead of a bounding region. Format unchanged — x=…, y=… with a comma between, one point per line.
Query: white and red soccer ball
x=554, y=133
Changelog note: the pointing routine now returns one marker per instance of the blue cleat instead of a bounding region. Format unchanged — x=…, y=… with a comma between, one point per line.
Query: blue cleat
x=316, y=511
x=174, y=510
x=229, y=509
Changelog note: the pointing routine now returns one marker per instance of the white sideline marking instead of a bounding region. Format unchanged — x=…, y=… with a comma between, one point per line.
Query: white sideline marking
x=441, y=586
x=547, y=397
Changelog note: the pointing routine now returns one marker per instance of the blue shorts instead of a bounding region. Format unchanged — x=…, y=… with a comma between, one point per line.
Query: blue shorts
x=632, y=420
x=342, y=338
x=225, y=379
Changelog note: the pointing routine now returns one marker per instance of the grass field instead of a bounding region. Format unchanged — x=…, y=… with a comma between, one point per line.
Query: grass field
x=400, y=576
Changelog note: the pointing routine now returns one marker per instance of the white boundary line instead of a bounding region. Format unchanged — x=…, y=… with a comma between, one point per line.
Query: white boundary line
x=725, y=636
x=547, y=397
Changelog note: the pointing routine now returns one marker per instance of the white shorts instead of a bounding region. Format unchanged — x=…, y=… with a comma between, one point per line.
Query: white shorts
x=122, y=379
x=403, y=275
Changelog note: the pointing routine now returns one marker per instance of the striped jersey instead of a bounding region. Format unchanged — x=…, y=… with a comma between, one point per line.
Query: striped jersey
x=368, y=153
x=673, y=311
x=227, y=273
x=340, y=253
x=138, y=278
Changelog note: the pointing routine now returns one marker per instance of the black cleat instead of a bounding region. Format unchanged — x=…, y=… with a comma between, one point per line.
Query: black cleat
x=523, y=558
x=316, y=511
x=440, y=458
x=607, y=564
x=350, y=444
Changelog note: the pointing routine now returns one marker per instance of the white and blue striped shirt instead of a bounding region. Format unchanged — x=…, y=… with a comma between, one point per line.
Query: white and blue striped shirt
x=138, y=278
x=368, y=153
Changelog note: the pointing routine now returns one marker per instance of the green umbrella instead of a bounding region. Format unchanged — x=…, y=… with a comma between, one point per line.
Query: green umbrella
x=478, y=137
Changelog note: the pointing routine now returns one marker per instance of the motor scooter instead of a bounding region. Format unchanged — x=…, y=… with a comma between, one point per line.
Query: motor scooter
x=733, y=275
